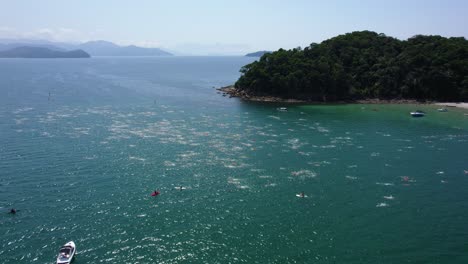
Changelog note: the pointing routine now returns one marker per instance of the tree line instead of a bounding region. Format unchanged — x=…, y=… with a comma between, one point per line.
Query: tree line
x=363, y=65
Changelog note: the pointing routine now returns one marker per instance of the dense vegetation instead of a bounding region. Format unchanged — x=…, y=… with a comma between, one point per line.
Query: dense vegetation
x=363, y=65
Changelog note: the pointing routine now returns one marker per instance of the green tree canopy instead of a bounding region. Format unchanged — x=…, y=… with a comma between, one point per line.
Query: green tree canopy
x=363, y=65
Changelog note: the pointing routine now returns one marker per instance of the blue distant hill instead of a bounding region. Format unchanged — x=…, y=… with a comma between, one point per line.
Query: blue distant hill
x=9, y=46
x=105, y=48
x=41, y=52
x=94, y=48
x=257, y=54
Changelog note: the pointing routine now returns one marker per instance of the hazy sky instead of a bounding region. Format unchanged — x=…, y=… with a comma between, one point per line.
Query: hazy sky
x=230, y=27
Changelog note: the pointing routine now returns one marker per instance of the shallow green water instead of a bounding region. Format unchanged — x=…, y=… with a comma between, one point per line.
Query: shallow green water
x=80, y=165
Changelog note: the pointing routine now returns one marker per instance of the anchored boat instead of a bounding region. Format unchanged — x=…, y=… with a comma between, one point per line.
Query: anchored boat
x=66, y=253
x=417, y=113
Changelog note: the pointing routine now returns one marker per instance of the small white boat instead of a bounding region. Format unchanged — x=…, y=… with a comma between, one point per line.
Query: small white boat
x=282, y=109
x=417, y=114
x=442, y=110
x=66, y=253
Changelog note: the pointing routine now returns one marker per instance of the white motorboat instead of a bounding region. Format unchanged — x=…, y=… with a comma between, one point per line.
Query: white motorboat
x=417, y=113
x=66, y=253
x=282, y=109
x=442, y=110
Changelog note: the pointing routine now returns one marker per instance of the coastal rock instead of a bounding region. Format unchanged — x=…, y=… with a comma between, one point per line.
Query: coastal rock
x=234, y=92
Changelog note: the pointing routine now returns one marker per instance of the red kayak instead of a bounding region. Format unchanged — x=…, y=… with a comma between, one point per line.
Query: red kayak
x=155, y=193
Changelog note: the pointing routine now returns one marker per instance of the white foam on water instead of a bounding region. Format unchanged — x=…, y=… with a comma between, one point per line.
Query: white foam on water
x=238, y=183
x=304, y=173
x=315, y=163
x=168, y=163
x=351, y=177
x=136, y=158
x=295, y=143
x=382, y=205
x=385, y=183
x=322, y=130
x=188, y=154
x=46, y=134
x=390, y=197
x=237, y=148
x=22, y=110
x=80, y=131
x=375, y=154
x=105, y=111
x=307, y=154
x=319, y=163
x=147, y=114
x=232, y=166
x=440, y=172
x=342, y=140
x=233, y=180
x=257, y=170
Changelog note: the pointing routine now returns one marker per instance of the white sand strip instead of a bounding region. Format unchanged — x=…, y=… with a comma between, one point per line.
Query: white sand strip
x=461, y=105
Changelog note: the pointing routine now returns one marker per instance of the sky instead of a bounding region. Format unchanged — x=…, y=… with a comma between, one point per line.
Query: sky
x=216, y=27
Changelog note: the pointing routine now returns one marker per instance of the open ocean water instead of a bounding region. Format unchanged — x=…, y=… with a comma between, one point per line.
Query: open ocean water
x=83, y=144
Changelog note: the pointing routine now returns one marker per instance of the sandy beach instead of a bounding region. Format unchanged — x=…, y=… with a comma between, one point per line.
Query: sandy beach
x=460, y=105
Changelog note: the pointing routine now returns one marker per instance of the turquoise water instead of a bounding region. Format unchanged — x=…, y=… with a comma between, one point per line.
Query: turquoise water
x=83, y=143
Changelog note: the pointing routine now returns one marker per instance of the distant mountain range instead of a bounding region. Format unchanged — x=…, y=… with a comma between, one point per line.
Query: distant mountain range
x=257, y=54
x=41, y=52
x=105, y=48
x=94, y=48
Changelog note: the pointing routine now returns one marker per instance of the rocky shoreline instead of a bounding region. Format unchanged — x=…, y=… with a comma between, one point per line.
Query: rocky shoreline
x=231, y=91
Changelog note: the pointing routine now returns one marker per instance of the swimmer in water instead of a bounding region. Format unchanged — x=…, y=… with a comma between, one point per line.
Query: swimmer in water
x=12, y=211
x=302, y=194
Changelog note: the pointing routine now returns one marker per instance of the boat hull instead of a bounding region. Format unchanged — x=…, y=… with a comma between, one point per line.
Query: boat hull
x=66, y=253
x=417, y=114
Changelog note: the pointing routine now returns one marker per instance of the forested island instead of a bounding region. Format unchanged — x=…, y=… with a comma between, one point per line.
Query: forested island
x=359, y=66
